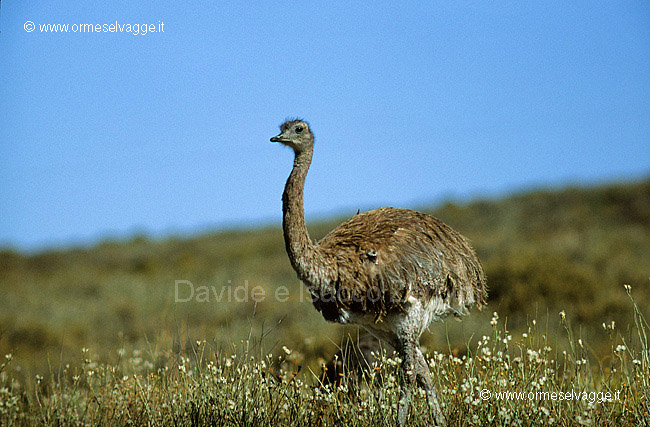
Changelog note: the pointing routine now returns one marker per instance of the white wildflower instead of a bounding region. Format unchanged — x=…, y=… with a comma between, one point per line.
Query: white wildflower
x=495, y=318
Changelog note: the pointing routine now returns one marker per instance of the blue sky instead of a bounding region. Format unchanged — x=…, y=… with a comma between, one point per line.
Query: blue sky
x=104, y=134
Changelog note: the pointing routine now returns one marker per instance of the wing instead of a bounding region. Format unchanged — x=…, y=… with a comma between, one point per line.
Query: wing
x=388, y=255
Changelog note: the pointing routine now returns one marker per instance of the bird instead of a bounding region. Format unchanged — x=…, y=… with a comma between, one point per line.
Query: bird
x=391, y=271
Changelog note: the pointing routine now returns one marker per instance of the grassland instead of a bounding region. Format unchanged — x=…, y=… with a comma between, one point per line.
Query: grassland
x=147, y=359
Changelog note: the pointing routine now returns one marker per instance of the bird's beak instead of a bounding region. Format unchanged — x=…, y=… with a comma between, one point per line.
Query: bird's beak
x=279, y=138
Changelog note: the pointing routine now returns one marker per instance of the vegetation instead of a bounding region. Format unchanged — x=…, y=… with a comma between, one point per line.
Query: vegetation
x=222, y=357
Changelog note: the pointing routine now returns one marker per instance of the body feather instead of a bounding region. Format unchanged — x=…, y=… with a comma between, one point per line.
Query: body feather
x=386, y=256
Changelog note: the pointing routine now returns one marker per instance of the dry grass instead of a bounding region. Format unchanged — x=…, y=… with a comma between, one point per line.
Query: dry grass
x=503, y=380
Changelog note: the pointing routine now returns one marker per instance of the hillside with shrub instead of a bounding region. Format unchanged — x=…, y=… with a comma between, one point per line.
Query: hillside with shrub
x=572, y=250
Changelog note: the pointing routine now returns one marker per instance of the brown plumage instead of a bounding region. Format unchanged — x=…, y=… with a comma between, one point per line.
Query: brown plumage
x=391, y=271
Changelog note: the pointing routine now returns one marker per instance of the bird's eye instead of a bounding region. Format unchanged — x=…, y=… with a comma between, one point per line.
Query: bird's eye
x=299, y=129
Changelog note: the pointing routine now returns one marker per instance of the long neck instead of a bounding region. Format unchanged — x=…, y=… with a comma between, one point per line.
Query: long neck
x=305, y=257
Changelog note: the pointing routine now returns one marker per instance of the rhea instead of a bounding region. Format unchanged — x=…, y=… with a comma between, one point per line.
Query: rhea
x=391, y=271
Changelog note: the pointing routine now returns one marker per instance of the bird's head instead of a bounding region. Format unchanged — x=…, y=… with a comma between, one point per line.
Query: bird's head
x=295, y=134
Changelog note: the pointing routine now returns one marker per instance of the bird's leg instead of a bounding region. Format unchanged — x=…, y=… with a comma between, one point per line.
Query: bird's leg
x=423, y=379
x=407, y=379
